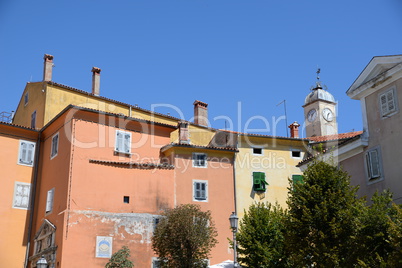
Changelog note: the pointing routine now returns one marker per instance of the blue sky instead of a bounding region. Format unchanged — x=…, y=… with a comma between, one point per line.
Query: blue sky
x=241, y=57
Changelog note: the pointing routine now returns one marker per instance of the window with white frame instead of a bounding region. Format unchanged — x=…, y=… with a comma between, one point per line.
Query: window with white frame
x=200, y=191
x=373, y=164
x=55, y=146
x=33, y=119
x=21, y=195
x=49, y=201
x=26, y=153
x=257, y=151
x=123, y=142
x=388, y=104
x=199, y=160
x=296, y=153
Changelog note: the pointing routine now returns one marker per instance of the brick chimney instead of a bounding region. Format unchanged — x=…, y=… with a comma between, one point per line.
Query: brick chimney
x=47, y=67
x=184, y=135
x=96, y=80
x=200, y=113
x=294, y=130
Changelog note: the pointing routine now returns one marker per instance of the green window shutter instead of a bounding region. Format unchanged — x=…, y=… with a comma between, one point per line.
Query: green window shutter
x=259, y=181
x=297, y=179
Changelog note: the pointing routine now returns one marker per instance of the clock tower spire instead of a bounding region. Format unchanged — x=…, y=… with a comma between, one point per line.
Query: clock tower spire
x=320, y=111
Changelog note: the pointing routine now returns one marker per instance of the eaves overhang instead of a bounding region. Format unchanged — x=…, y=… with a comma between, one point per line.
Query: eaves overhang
x=381, y=70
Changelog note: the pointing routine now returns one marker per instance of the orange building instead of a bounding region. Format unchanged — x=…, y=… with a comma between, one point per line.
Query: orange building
x=17, y=160
x=104, y=171
x=105, y=179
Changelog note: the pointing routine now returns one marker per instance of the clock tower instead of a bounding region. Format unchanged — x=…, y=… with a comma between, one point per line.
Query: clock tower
x=320, y=112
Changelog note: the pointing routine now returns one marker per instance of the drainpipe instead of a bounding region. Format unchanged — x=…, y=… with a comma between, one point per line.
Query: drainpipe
x=32, y=199
x=234, y=176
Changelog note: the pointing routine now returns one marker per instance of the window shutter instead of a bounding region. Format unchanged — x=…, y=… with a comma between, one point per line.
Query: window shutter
x=384, y=106
x=49, y=201
x=390, y=100
x=119, y=141
x=373, y=164
x=55, y=144
x=23, y=152
x=30, y=153
x=297, y=179
x=259, y=181
x=127, y=142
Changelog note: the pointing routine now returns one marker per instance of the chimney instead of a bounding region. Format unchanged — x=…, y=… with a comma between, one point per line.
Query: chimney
x=48, y=67
x=294, y=130
x=184, y=137
x=200, y=113
x=96, y=80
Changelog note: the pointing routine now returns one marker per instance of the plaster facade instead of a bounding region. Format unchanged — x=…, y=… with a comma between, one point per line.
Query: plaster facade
x=382, y=128
x=275, y=160
x=15, y=192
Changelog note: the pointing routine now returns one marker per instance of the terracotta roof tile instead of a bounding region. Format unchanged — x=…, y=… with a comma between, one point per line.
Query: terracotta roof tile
x=19, y=126
x=164, y=148
x=340, y=136
x=139, y=165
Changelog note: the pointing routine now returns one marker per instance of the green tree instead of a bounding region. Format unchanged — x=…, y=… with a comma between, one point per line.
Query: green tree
x=381, y=233
x=184, y=237
x=261, y=237
x=323, y=218
x=120, y=259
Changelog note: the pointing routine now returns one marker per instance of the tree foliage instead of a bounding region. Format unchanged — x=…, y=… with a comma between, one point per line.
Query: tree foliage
x=184, y=237
x=381, y=233
x=120, y=259
x=323, y=218
x=325, y=225
x=261, y=237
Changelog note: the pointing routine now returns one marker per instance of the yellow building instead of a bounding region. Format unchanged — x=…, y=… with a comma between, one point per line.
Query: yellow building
x=42, y=101
x=264, y=165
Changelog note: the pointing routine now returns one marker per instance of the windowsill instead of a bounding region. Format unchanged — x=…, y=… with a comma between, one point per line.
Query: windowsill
x=200, y=200
x=23, y=164
x=389, y=115
x=200, y=166
x=374, y=180
x=122, y=153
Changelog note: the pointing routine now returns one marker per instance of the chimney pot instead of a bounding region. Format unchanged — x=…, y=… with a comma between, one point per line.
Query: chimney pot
x=47, y=67
x=200, y=113
x=294, y=129
x=96, y=80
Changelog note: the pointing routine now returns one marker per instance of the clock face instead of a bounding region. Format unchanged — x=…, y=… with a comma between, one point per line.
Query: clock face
x=311, y=115
x=327, y=115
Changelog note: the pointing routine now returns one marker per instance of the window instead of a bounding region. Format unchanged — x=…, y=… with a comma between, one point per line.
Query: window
x=123, y=142
x=21, y=195
x=49, y=201
x=296, y=153
x=388, y=104
x=259, y=182
x=26, y=98
x=126, y=199
x=297, y=179
x=200, y=191
x=55, y=146
x=373, y=163
x=26, y=153
x=199, y=160
x=257, y=150
x=33, y=119
x=156, y=263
